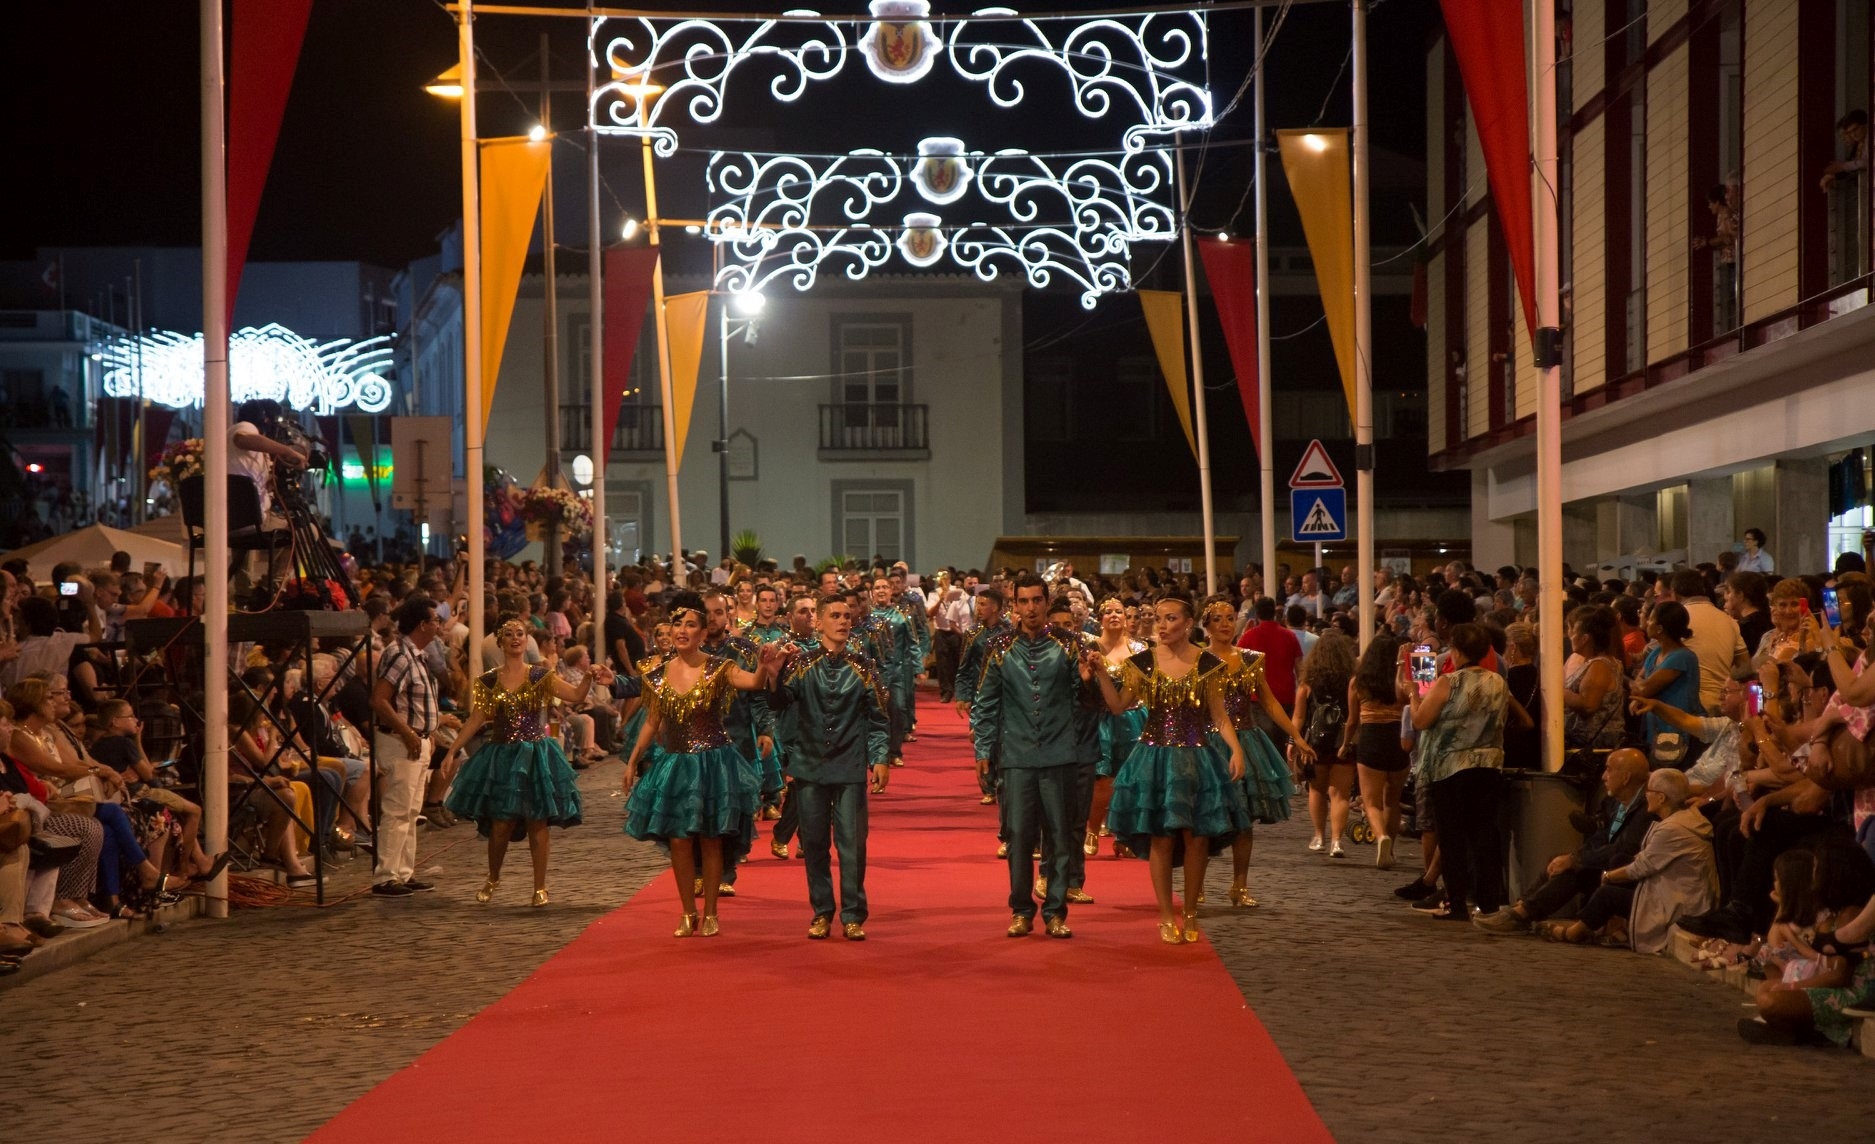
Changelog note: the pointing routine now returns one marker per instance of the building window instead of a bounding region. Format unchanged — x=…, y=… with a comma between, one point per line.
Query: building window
x=1048, y=399
x=873, y=519
x=872, y=359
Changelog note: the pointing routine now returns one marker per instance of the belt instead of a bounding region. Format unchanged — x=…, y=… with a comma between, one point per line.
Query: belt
x=393, y=732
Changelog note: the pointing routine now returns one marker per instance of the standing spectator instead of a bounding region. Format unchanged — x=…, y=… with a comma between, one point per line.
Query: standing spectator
x=950, y=619
x=623, y=644
x=404, y=700
x=1282, y=651
x=1852, y=129
x=1748, y=600
x=1461, y=759
x=1755, y=558
x=1715, y=639
x=1309, y=597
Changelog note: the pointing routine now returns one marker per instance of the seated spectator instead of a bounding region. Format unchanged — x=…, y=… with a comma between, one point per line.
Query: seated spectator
x=322, y=736
x=1812, y=1009
x=1592, y=689
x=1624, y=820
x=42, y=646
x=1670, y=673
x=120, y=749
x=282, y=806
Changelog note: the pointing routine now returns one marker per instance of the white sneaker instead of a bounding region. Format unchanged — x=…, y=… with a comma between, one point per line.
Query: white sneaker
x=1335, y=850
x=1315, y=844
x=1383, y=855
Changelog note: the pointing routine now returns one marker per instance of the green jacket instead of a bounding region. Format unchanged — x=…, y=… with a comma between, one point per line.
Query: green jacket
x=1030, y=701
x=832, y=715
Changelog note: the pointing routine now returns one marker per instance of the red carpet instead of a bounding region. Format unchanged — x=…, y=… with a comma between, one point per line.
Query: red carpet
x=938, y=1028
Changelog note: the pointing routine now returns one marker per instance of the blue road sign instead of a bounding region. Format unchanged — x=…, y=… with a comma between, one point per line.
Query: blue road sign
x=1318, y=515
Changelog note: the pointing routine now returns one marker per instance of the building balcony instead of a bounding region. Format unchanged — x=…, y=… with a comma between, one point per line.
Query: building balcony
x=640, y=431
x=52, y=415
x=866, y=432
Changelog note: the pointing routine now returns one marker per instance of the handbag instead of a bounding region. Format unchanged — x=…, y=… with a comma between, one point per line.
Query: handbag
x=50, y=851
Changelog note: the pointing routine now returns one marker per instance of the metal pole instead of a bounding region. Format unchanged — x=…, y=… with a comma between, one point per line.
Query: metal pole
x=473, y=420
x=139, y=479
x=1266, y=433
x=1197, y=385
x=595, y=332
x=215, y=425
x=671, y=459
x=722, y=424
x=1363, y=342
x=550, y=320
x=1549, y=385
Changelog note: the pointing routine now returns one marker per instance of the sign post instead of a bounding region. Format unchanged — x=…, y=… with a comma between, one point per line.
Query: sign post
x=1318, y=501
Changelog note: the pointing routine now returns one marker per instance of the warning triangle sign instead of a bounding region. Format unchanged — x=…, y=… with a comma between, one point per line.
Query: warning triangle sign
x=1319, y=522
x=1315, y=470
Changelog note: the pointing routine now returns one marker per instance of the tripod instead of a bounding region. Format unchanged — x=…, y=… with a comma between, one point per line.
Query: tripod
x=316, y=567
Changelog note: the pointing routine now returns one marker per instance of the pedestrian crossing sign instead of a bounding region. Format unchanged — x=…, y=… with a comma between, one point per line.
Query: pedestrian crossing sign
x=1318, y=515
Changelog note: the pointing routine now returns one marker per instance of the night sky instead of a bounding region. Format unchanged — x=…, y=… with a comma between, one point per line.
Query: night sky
x=103, y=97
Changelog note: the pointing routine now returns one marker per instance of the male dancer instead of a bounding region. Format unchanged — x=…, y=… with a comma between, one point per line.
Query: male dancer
x=834, y=721
x=917, y=612
x=892, y=634
x=749, y=722
x=802, y=611
x=767, y=626
x=1026, y=702
x=991, y=622
x=1062, y=617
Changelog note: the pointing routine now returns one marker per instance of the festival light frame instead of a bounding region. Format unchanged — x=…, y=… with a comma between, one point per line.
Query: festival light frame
x=268, y=361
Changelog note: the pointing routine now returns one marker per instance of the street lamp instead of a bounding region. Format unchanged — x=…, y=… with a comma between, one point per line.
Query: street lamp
x=747, y=307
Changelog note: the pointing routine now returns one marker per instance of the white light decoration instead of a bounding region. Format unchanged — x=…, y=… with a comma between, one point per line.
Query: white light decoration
x=266, y=362
x=1145, y=69
x=942, y=173
x=900, y=46
x=787, y=217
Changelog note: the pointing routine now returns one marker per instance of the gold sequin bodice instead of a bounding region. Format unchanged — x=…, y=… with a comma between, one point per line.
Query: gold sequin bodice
x=692, y=721
x=1178, y=710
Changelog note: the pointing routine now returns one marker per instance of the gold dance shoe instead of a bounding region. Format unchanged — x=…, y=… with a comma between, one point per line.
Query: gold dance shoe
x=686, y=926
x=1041, y=889
x=1200, y=898
x=1191, y=927
x=1019, y=926
x=1002, y=849
x=1080, y=897
x=696, y=886
x=1170, y=934
x=488, y=889
x=1091, y=846
x=1240, y=896
x=540, y=897
x=1058, y=927
x=854, y=931
x=820, y=927
x=709, y=927
x=725, y=890
x=778, y=849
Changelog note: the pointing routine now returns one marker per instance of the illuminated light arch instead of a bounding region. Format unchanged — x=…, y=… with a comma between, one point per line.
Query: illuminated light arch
x=269, y=361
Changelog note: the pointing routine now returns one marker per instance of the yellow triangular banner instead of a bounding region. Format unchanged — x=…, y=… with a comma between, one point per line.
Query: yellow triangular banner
x=685, y=316
x=514, y=173
x=1165, y=320
x=1316, y=164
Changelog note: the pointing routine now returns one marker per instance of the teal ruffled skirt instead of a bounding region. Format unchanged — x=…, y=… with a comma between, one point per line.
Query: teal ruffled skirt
x=708, y=794
x=1266, y=784
x=628, y=732
x=516, y=782
x=1162, y=791
x=1118, y=734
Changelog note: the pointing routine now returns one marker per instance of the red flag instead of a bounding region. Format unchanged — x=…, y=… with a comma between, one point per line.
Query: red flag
x=1487, y=38
x=1232, y=274
x=628, y=275
x=267, y=38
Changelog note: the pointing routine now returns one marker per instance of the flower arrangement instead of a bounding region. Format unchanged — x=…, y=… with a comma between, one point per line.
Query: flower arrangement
x=545, y=507
x=179, y=462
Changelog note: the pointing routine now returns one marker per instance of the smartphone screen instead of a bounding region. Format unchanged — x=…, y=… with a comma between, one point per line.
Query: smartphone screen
x=68, y=589
x=1425, y=668
x=1832, y=611
x=1803, y=605
x=1754, y=698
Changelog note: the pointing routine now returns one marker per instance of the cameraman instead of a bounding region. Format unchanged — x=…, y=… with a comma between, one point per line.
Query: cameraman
x=252, y=453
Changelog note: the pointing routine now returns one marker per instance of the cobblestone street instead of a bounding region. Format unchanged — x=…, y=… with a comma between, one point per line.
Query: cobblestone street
x=1400, y=1029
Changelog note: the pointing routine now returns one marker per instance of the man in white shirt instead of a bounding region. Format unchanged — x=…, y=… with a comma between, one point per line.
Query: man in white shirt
x=1715, y=639
x=1754, y=558
x=1309, y=598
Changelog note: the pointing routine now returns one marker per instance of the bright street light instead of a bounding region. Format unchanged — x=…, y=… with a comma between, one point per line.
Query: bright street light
x=1316, y=143
x=748, y=303
x=631, y=229
x=536, y=133
x=448, y=85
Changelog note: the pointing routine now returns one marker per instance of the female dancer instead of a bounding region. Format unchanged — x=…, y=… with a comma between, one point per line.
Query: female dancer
x=1266, y=784
x=1119, y=732
x=697, y=785
x=1175, y=788
x=1323, y=679
x=520, y=774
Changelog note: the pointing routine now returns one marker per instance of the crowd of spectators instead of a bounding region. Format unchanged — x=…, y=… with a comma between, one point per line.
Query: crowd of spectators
x=1714, y=722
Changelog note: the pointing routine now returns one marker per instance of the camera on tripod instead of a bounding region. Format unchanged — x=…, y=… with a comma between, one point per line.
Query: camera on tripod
x=318, y=579
x=278, y=423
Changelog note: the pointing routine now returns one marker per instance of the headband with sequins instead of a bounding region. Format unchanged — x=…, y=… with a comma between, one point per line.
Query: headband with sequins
x=515, y=625
x=678, y=612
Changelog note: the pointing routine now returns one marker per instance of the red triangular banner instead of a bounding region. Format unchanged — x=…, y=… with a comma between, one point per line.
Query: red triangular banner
x=628, y=276
x=1487, y=38
x=1230, y=269
x=267, y=39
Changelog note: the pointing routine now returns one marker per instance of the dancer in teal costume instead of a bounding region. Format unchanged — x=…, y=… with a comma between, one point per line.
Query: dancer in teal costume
x=697, y=787
x=519, y=776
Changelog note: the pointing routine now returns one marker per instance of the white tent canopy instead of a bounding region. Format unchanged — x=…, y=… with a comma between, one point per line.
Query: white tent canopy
x=92, y=547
